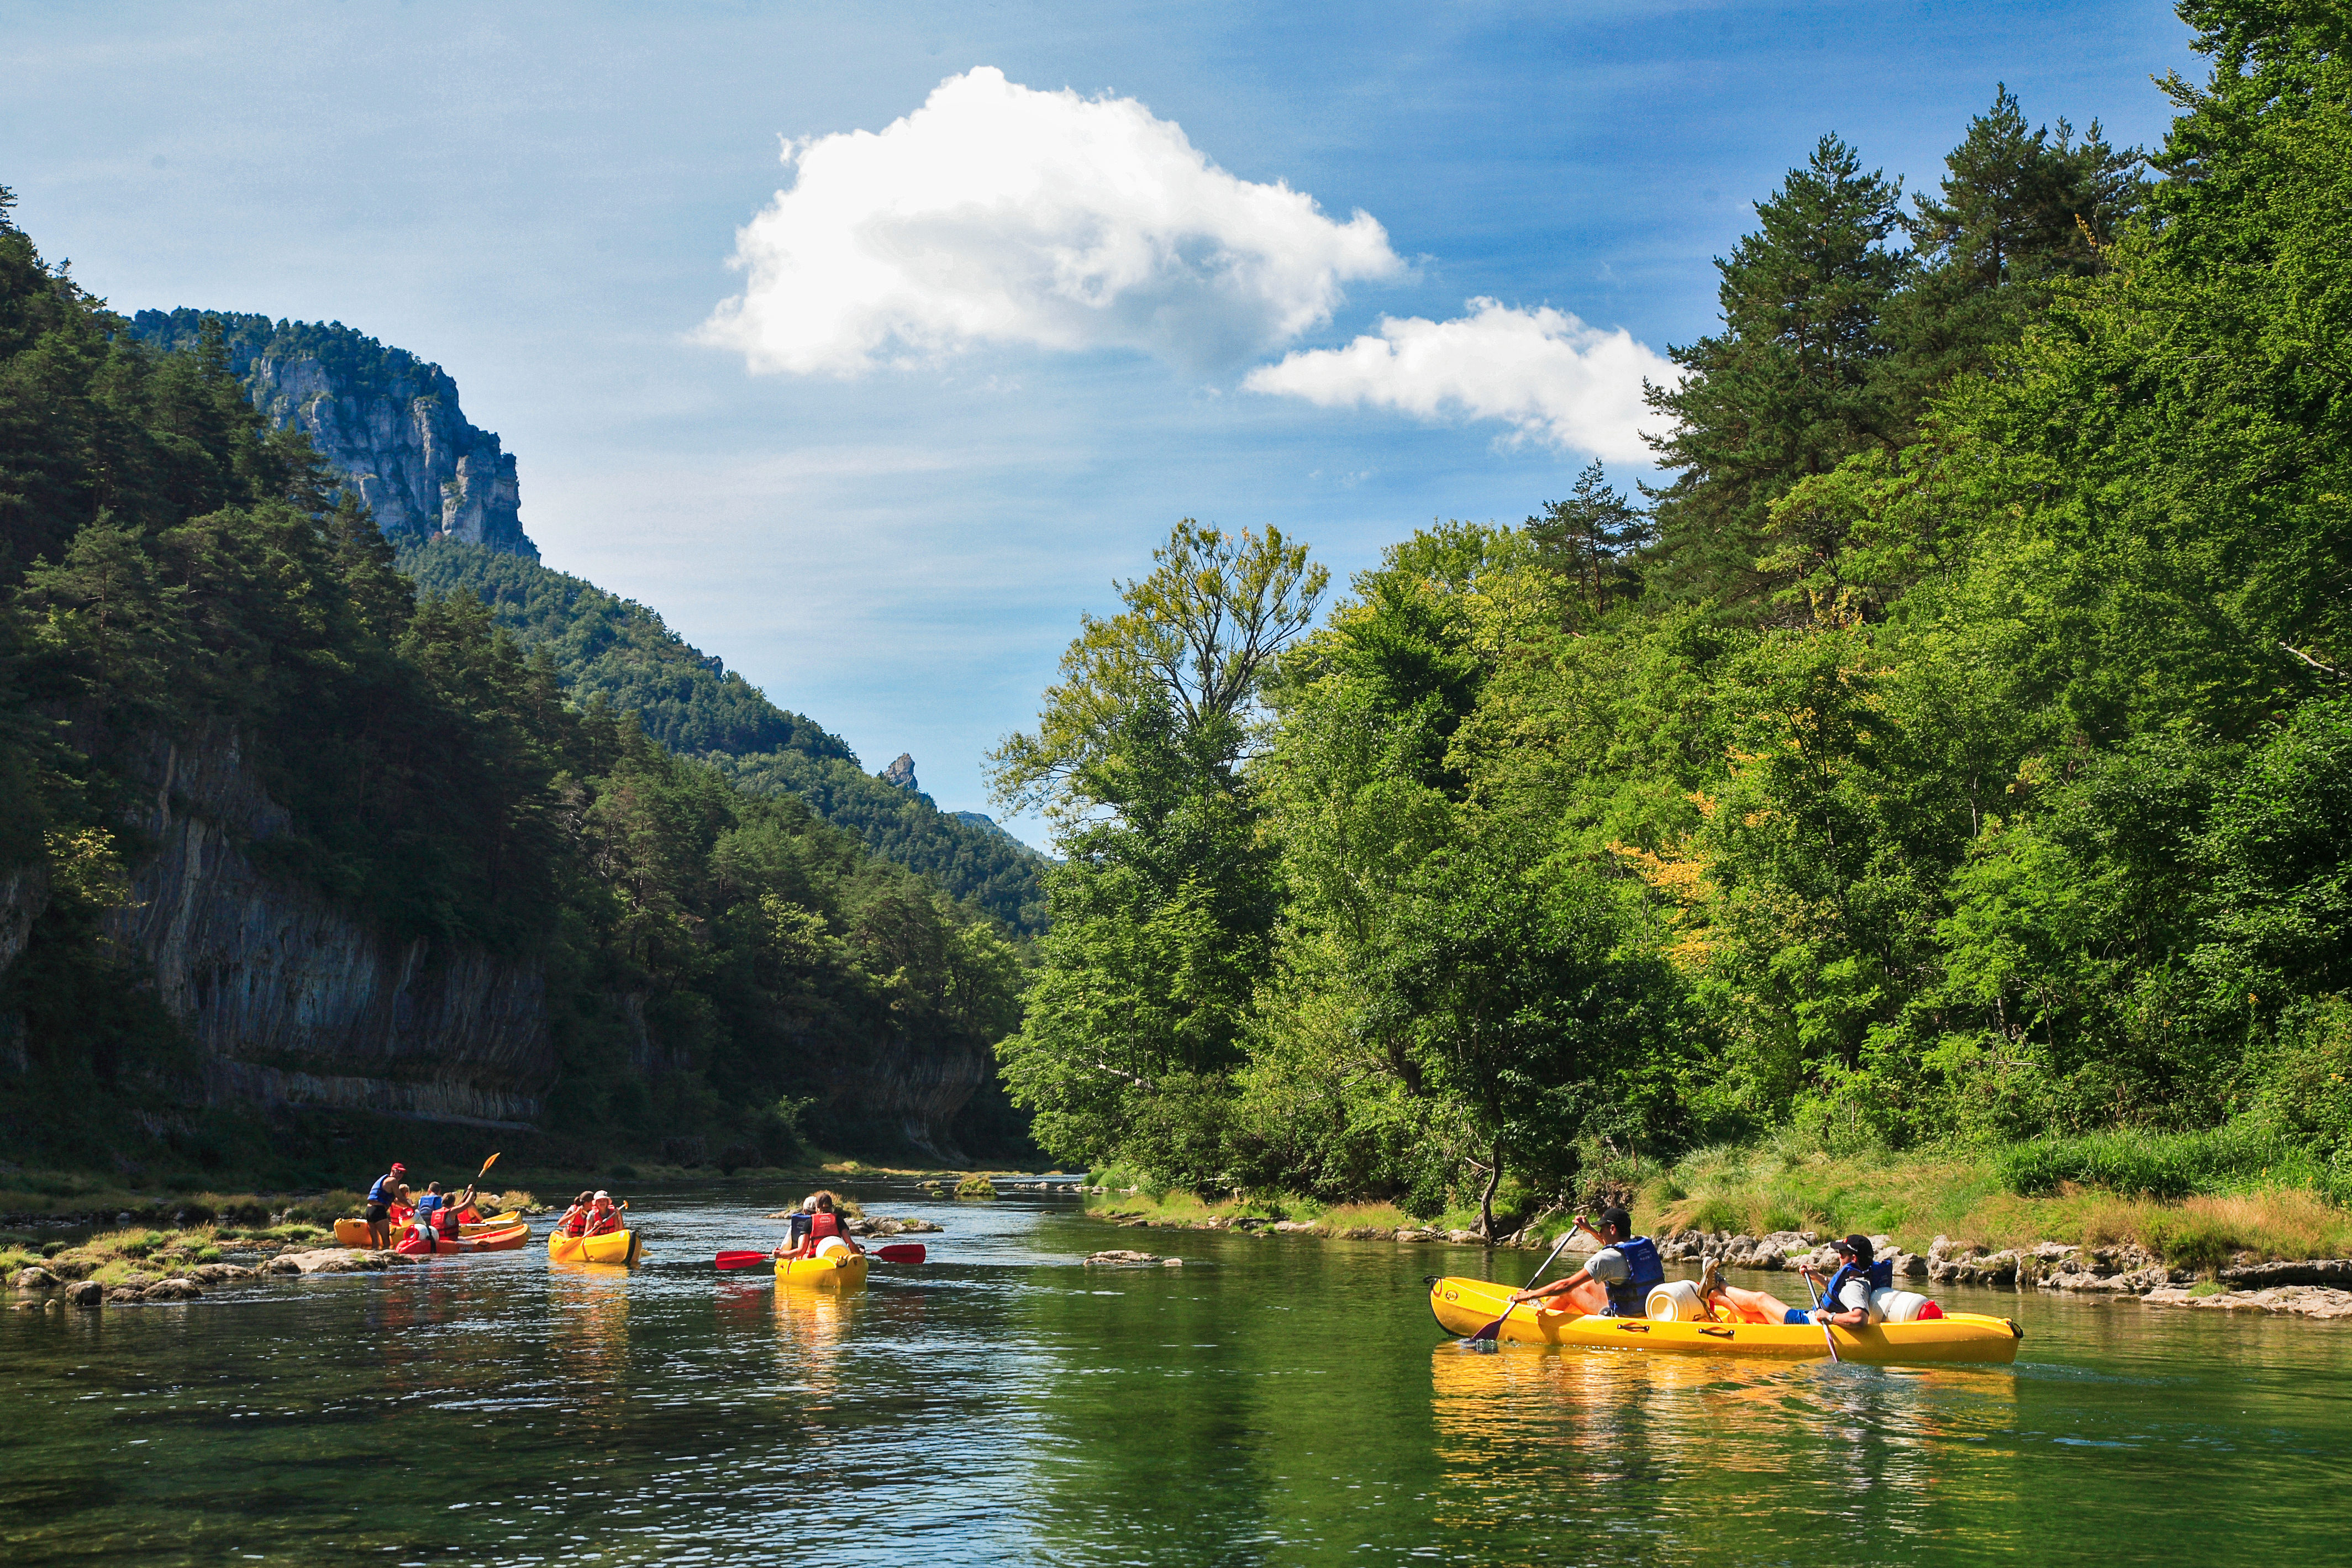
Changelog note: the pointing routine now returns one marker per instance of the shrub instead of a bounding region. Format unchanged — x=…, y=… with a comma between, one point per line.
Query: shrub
x=975, y=1186
x=2151, y=1164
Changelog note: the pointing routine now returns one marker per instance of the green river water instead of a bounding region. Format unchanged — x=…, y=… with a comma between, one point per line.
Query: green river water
x=1277, y=1400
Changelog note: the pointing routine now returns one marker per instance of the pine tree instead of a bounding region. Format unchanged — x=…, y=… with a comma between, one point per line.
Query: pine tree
x=2016, y=211
x=1790, y=387
x=1591, y=539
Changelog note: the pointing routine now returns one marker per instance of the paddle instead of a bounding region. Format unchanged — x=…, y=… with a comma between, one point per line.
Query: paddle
x=899, y=1252
x=1487, y=1335
x=1828, y=1335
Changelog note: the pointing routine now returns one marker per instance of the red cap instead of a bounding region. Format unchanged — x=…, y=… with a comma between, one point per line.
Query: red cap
x=398, y=1169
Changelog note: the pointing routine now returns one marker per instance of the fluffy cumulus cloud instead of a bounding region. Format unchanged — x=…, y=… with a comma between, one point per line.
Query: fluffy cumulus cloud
x=1544, y=372
x=998, y=214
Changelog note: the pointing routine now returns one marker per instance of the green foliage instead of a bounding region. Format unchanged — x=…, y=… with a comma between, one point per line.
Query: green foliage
x=1965, y=762
x=170, y=577
x=603, y=648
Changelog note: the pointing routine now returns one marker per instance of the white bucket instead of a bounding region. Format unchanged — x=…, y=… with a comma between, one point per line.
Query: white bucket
x=832, y=1247
x=1676, y=1301
x=1892, y=1306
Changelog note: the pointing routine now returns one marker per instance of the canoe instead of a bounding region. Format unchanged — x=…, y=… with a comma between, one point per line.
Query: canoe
x=614, y=1247
x=1465, y=1305
x=354, y=1232
x=835, y=1271
x=507, y=1241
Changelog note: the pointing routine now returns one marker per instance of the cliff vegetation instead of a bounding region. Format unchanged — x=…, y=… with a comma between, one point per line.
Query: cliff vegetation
x=286, y=835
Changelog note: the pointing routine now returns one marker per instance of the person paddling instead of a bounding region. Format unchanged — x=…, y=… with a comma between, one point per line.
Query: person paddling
x=575, y=1218
x=602, y=1218
x=1845, y=1294
x=824, y=1223
x=380, y=1199
x=1614, y=1282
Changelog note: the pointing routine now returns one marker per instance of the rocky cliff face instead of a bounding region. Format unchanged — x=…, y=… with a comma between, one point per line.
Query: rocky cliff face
x=389, y=421
x=293, y=998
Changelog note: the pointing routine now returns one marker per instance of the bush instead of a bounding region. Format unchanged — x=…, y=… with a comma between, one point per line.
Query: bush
x=975, y=1186
x=2151, y=1165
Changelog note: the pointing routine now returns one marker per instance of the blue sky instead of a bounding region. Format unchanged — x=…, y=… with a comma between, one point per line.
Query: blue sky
x=895, y=527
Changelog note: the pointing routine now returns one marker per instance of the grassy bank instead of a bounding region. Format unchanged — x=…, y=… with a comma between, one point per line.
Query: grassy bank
x=2196, y=1200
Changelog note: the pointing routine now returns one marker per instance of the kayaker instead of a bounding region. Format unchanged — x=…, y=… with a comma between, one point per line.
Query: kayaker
x=1615, y=1280
x=602, y=1217
x=1844, y=1296
x=380, y=1199
x=446, y=1219
x=796, y=1227
x=826, y=1222
x=575, y=1218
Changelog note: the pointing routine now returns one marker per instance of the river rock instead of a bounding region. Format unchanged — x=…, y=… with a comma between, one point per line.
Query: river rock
x=86, y=1293
x=331, y=1260
x=1996, y=1269
x=1295, y=1226
x=2296, y=1300
x=1119, y=1258
x=35, y=1279
x=219, y=1273
x=174, y=1289
x=2335, y=1271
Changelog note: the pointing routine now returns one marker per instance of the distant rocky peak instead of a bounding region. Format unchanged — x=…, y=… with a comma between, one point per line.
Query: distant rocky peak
x=901, y=771
x=388, y=420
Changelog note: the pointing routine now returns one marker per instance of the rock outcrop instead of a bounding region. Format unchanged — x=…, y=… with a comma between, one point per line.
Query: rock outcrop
x=387, y=420
x=296, y=999
x=900, y=774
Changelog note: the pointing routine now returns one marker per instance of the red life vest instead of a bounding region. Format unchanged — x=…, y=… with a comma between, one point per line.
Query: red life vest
x=604, y=1224
x=822, y=1225
x=575, y=1223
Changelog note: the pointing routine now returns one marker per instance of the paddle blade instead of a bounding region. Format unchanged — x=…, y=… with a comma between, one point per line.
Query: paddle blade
x=742, y=1259
x=902, y=1252
x=486, y=1167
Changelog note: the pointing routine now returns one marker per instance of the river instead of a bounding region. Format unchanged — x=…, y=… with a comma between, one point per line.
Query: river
x=1277, y=1400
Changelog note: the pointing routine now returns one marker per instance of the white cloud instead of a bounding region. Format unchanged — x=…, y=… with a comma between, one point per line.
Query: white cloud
x=997, y=215
x=1545, y=372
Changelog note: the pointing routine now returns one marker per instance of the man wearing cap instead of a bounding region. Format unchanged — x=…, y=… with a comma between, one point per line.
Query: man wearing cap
x=379, y=1205
x=1845, y=1295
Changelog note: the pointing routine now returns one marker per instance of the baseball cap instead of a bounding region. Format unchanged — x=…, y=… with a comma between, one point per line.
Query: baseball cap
x=603, y=1194
x=398, y=1169
x=1857, y=1246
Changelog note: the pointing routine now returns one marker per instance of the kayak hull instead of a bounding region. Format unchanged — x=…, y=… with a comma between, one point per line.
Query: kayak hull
x=1465, y=1305
x=507, y=1241
x=621, y=1246
x=841, y=1271
x=354, y=1232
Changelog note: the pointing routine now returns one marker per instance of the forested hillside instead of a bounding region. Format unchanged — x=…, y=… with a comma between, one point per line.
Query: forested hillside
x=1957, y=750
x=378, y=802
x=602, y=646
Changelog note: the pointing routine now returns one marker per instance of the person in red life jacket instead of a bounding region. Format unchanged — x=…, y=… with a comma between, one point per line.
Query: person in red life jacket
x=448, y=1219
x=602, y=1217
x=575, y=1218
x=1615, y=1280
x=425, y=1218
x=1845, y=1294
x=827, y=1221
x=386, y=1192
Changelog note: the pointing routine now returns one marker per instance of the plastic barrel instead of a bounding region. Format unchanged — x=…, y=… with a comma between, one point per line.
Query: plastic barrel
x=1676, y=1301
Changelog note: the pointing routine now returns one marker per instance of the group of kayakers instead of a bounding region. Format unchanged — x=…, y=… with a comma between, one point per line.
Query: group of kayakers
x=1616, y=1281
x=432, y=1209
x=820, y=1217
x=591, y=1214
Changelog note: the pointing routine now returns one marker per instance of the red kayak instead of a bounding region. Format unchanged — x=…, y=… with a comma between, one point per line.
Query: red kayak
x=420, y=1244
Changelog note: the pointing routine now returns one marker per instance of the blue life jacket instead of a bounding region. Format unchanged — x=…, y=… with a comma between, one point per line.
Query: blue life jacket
x=385, y=1191
x=1877, y=1277
x=426, y=1205
x=1630, y=1297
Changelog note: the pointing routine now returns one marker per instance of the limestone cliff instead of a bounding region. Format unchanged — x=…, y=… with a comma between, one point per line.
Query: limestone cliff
x=294, y=999
x=389, y=421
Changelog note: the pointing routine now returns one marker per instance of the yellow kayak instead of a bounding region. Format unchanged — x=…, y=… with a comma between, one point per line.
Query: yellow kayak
x=354, y=1232
x=613, y=1246
x=840, y=1271
x=1467, y=1306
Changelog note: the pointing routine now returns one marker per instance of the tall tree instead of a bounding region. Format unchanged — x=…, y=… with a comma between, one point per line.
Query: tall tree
x=1789, y=387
